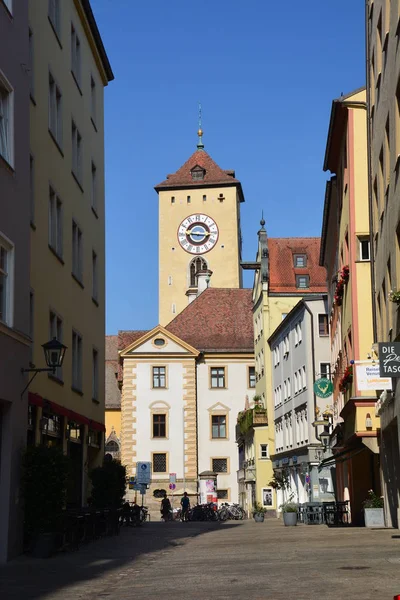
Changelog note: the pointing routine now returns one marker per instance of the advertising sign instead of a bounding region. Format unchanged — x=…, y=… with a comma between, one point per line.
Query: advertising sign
x=323, y=387
x=368, y=378
x=143, y=473
x=172, y=478
x=389, y=359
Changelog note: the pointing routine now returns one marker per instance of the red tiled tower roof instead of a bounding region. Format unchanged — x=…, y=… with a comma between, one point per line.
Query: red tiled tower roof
x=282, y=272
x=218, y=320
x=213, y=175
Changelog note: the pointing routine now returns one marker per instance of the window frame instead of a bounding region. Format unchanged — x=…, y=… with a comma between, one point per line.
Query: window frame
x=364, y=240
x=55, y=20
x=55, y=223
x=55, y=110
x=266, y=450
x=218, y=425
x=157, y=415
x=298, y=255
x=95, y=374
x=77, y=361
x=77, y=144
x=329, y=371
x=219, y=376
x=76, y=57
x=95, y=277
x=77, y=252
x=10, y=277
x=251, y=375
x=8, y=116
x=325, y=322
x=302, y=287
x=93, y=187
x=93, y=101
x=226, y=459
x=166, y=472
x=159, y=375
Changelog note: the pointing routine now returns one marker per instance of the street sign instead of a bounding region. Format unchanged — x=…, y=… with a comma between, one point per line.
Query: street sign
x=172, y=486
x=389, y=359
x=323, y=387
x=368, y=378
x=143, y=472
x=172, y=477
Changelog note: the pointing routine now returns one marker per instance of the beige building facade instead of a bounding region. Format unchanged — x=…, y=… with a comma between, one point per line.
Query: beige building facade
x=383, y=98
x=70, y=70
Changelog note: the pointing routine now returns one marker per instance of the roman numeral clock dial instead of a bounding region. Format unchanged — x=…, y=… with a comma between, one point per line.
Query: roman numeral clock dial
x=198, y=234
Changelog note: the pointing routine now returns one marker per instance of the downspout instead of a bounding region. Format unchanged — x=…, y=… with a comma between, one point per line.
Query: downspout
x=369, y=152
x=312, y=353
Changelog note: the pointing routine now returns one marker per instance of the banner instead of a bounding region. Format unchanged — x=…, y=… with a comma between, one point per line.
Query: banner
x=369, y=379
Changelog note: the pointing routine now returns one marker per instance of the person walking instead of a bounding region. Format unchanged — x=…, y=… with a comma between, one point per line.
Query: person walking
x=185, y=504
x=166, y=509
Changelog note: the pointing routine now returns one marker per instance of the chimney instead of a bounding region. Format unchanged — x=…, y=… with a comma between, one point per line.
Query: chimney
x=191, y=294
x=203, y=280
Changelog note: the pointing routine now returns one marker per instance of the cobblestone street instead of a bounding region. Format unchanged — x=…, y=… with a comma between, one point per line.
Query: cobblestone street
x=206, y=560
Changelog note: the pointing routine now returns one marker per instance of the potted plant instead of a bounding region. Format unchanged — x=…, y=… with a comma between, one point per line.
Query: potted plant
x=394, y=296
x=373, y=511
x=289, y=510
x=259, y=512
x=108, y=484
x=44, y=483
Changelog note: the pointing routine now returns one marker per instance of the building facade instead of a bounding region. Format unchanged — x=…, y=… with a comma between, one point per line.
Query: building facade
x=346, y=254
x=69, y=70
x=199, y=229
x=383, y=93
x=14, y=264
x=182, y=387
x=286, y=270
x=300, y=349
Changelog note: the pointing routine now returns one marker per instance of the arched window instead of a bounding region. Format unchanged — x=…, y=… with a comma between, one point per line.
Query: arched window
x=197, y=264
x=112, y=446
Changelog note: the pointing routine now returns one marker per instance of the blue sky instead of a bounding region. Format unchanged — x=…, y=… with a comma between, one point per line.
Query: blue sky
x=266, y=74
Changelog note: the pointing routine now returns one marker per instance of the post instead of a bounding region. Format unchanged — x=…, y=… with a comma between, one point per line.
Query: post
x=184, y=475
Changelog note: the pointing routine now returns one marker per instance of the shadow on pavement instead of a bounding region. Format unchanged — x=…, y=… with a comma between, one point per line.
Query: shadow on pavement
x=33, y=579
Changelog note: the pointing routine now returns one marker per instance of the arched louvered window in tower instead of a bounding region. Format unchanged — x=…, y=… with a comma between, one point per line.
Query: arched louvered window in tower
x=197, y=264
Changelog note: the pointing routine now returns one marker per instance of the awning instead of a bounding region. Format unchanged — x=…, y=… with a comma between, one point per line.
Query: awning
x=37, y=400
x=340, y=457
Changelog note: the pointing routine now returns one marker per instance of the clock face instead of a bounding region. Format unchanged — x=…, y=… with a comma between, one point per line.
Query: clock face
x=198, y=234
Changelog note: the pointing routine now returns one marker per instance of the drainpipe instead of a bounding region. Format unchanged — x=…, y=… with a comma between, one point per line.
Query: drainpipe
x=369, y=152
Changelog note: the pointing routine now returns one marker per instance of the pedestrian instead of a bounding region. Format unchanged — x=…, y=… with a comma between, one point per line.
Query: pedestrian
x=165, y=509
x=185, y=504
x=135, y=514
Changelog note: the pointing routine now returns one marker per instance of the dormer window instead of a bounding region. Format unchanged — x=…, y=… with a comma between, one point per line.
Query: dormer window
x=300, y=260
x=197, y=173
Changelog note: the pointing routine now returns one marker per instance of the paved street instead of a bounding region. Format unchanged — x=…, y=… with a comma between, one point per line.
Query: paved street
x=206, y=560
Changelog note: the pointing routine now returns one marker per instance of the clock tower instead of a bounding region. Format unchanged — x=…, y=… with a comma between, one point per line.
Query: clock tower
x=199, y=231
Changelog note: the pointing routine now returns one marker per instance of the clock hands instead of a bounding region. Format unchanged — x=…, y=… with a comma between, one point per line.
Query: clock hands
x=203, y=233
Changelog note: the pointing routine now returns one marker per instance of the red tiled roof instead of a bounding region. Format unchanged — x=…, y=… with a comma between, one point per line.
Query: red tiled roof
x=214, y=175
x=126, y=338
x=282, y=272
x=218, y=320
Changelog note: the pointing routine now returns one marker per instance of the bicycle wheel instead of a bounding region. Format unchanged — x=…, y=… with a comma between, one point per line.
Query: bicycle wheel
x=223, y=514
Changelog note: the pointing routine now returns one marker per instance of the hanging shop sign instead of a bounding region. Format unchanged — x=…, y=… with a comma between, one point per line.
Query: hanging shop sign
x=368, y=378
x=389, y=359
x=323, y=387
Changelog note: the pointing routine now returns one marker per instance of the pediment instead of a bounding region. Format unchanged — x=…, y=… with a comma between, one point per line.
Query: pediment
x=158, y=342
x=219, y=406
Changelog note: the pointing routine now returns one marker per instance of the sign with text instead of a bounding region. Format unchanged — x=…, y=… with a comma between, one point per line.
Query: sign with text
x=323, y=387
x=143, y=473
x=389, y=359
x=172, y=477
x=368, y=378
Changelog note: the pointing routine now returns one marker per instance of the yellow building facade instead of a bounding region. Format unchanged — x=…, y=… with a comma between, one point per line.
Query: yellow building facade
x=69, y=72
x=346, y=230
x=199, y=229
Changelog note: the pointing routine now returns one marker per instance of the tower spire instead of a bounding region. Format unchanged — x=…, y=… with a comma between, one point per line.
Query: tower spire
x=200, y=145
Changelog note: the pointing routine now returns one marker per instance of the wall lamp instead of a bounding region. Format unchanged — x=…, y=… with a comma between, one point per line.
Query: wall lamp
x=54, y=352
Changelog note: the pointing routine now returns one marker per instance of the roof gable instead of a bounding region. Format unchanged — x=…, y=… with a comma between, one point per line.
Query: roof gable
x=147, y=344
x=213, y=174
